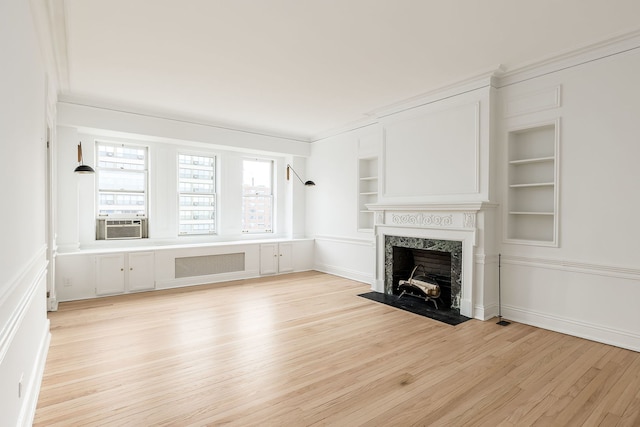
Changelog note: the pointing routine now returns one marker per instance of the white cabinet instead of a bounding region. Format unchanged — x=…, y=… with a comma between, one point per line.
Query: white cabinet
x=532, y=179
x=118, y=273
x=109, y=274
x=276, y=258
x=141, y=271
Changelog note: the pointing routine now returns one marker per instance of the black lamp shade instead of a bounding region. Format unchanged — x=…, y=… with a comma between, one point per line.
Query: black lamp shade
x=84, y=169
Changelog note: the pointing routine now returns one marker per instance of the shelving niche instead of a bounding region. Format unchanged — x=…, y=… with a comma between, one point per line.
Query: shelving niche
x=367, y=191
x=532, y=197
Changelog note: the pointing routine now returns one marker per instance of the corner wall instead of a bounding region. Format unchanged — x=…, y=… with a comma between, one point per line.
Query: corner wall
x=24, y=328
x=588, y=285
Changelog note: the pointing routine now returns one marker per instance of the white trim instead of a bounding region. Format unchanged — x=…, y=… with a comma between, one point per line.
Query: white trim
x=28, y=410
x=453, y=206
x=69, y=102
x=620, y=43
x=574, y=266
x=351, y=241
x=547, y=99
x=590, y=331
x=33, y=264
x=458, y=87
x=346, y=273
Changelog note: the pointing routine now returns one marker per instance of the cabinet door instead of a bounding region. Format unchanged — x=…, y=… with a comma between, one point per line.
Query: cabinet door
x=285, y=257
x=269, y=258
x=109, y=274
x=141, y=271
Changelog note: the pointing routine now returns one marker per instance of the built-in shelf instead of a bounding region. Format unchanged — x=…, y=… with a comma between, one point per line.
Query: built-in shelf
x=532, y=182
x=534, y=160
x=367, y=191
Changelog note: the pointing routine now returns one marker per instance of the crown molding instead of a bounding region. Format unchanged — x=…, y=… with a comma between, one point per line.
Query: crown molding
x=164, y=115
x=616, y=44
x=475, y=81
x=484, y=78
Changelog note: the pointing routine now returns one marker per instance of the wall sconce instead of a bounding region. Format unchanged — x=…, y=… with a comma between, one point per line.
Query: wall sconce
x=307, y=183
x=82, y=168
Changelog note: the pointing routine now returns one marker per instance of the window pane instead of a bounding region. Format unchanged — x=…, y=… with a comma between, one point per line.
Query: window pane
x=121, y=180
x=257, y=201
x=121, y=203
x=257, y=214
x=121, y=157
x=196, y=187
x=257, y=177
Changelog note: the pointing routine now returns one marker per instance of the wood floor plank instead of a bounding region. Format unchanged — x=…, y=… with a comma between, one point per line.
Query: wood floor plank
x=303, y=349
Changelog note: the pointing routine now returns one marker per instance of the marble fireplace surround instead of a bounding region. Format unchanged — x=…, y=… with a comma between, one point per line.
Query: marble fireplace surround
x=433, y=221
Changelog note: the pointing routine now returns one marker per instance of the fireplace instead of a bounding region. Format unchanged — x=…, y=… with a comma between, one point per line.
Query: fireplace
x=436, y=261
x=456, y=229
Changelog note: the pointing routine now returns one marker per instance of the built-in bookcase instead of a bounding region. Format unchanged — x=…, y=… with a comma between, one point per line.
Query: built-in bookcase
x=367, y=191
x=532, y=177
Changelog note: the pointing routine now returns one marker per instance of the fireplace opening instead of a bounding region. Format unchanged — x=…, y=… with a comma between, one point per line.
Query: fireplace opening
x=437, y=261
x=422, y=273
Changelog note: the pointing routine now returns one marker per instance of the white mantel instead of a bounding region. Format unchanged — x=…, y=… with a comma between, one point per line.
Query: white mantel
x=464, y=222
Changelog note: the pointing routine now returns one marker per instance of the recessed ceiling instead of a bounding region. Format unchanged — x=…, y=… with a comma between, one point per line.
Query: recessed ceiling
x=303, y=67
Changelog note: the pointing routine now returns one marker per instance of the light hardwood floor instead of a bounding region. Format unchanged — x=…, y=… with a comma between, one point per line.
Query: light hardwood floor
x=304, y=349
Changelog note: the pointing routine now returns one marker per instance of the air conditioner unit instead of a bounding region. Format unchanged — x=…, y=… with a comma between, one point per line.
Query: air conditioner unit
x=111, y=229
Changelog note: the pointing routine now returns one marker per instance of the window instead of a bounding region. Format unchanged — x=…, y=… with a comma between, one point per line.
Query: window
x=121, y=180
x=197, y=194
x=257, y=196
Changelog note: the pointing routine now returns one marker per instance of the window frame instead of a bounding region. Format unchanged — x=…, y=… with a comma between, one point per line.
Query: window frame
x=271, y=196
x=213, y=194
x=100, y=170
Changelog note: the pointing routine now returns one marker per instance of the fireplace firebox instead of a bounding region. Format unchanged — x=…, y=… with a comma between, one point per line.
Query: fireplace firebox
x=437, y=262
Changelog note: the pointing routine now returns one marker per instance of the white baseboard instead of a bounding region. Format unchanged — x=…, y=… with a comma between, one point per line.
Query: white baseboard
x=615, y=337
x=358, y=276
x=485, y=312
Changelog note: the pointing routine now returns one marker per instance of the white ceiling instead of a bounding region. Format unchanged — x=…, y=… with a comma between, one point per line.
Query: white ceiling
x=299, y=68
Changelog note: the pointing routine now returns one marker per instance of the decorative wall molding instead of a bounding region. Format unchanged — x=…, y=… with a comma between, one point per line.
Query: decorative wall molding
x=28, y=410
x=454, y=206
x=469, y=220
x=32, y=276
x=532, y=102
x=428, y=220
x=31, y=269
x=347, y=240
x=574, y=266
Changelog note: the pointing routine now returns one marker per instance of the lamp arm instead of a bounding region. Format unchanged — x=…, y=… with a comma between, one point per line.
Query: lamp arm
x=295, y=173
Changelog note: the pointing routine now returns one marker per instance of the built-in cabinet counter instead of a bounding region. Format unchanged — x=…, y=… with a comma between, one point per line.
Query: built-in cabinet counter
x=94, y=272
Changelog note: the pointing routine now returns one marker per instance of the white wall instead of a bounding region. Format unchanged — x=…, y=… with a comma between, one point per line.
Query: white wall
x=77, y=197
x=24, y=329
x=586, y=286
x=332, y=208
x=590, y=284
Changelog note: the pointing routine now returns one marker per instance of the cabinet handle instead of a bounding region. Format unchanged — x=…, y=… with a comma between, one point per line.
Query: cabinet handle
x=130, y=268
x=122, y=269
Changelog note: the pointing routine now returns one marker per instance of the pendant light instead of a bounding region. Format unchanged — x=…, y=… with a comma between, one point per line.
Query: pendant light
x=82, y=168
